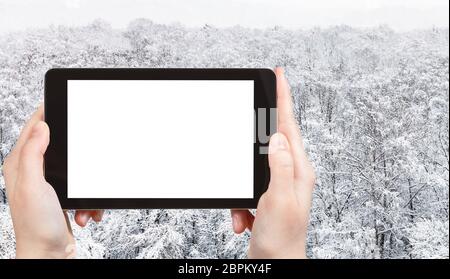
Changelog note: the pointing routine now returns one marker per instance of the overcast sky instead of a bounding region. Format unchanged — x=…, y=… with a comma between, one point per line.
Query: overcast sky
x=399, y=14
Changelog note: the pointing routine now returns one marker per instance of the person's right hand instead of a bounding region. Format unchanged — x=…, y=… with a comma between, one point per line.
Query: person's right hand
x=280, y=225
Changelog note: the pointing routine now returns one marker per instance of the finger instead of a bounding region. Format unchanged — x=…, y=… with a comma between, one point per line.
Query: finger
x=238, y=220
x=82, y=217
x=284, y=99
x=287, y=124
x=250, y=220
x=241, y=219
x=281, y=165
x=12, y=160
x=97, y=215
x=32, y=154
x=69, y=227
x=37, y=116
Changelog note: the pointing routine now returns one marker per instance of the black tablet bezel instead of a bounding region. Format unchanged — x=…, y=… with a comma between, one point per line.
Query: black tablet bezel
x=56, y=118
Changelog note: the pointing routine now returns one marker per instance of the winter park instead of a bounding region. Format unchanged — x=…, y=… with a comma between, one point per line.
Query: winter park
x=372, y=105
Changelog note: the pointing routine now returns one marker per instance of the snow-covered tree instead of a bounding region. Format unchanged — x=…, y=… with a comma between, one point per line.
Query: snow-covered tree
x=372, y=104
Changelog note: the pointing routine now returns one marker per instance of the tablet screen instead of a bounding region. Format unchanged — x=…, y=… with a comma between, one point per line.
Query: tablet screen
x=160, y=138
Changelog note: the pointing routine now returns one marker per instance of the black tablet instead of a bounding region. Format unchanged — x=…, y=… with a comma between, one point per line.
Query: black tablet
x=159, y=138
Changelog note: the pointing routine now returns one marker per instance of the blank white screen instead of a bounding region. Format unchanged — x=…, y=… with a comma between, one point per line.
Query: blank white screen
x=160, y=138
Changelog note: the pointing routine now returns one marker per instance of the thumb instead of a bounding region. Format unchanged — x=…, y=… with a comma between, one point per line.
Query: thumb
x=32, y=154
x=281, y=164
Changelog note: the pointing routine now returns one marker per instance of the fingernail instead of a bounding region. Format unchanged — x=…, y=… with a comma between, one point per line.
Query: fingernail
x=277, y=142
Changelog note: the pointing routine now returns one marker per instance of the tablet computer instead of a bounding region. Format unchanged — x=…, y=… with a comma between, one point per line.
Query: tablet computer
x=159, y=138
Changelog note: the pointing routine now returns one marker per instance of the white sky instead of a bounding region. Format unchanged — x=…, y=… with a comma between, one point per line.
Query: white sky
x=399, y=14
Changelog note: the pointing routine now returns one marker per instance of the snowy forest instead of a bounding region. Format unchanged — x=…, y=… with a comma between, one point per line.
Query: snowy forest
x=372, y=104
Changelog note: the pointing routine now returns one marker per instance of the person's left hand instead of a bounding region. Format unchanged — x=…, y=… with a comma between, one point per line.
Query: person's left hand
x=41, y=227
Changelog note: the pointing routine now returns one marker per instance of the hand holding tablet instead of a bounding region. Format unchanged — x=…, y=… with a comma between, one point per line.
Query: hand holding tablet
x=41, y=227
x=159, y=138
x=280, y=225
x=279, y=229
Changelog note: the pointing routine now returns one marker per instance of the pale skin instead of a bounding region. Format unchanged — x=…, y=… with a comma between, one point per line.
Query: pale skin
x=42, y=228
x=279, y=228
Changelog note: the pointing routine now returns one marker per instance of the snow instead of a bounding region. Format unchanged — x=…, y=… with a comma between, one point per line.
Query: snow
x=373, y=106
